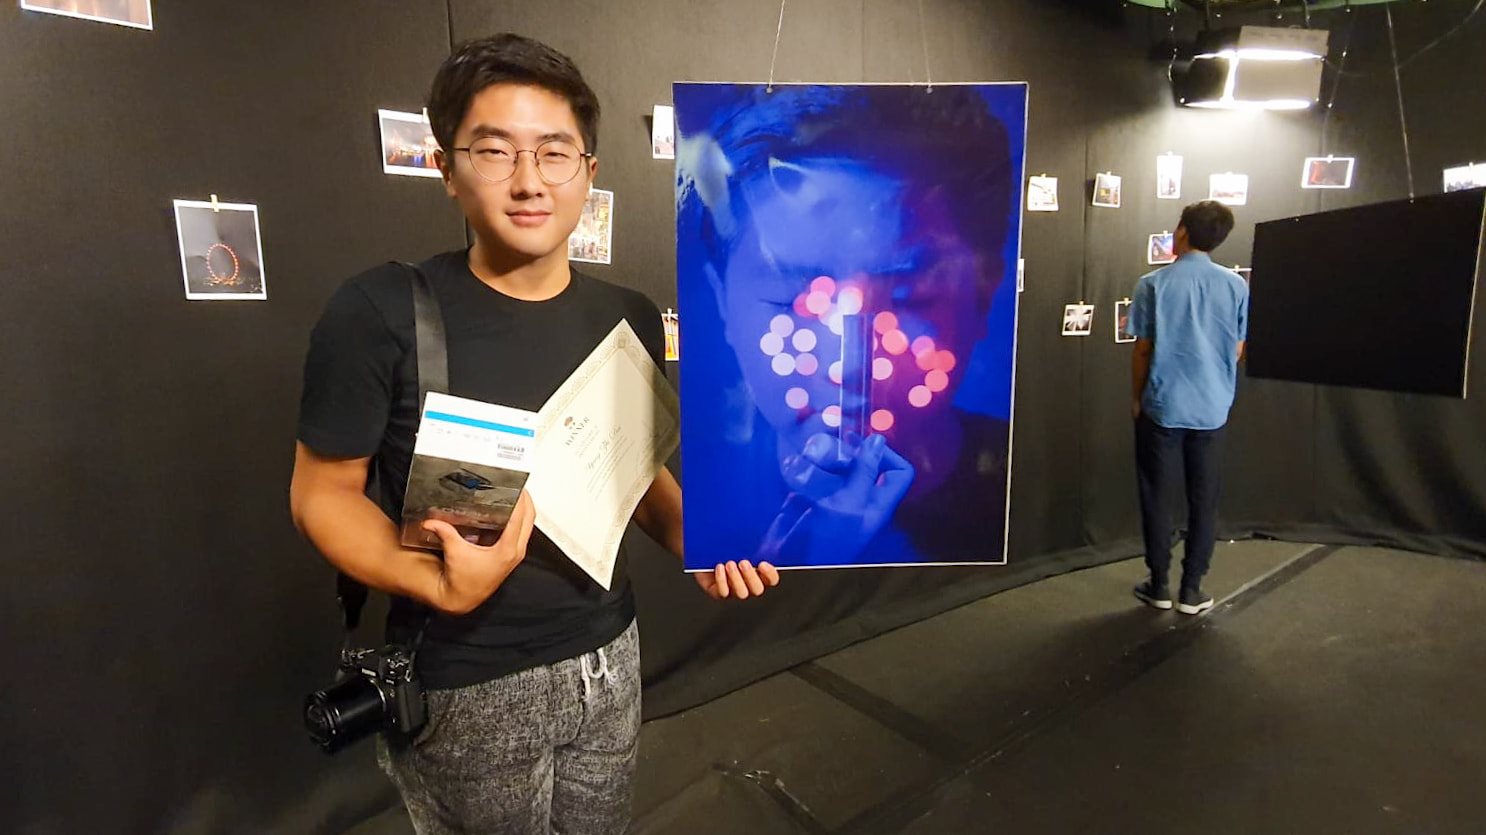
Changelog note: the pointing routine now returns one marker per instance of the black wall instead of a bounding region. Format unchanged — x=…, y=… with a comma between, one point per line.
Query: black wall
x=162, y=619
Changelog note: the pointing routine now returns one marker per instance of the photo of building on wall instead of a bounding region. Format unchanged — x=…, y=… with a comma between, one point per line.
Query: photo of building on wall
x=135, y=13
x=591, y=240
x=408, y=145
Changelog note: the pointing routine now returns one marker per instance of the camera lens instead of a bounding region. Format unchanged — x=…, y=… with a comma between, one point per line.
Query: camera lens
x=339, y=715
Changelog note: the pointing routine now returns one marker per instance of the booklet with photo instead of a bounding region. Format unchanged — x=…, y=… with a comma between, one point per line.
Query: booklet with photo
x=586, y=458
x=470, y=462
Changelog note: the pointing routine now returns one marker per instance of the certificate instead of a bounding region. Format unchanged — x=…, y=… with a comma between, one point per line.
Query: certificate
x=600, y=440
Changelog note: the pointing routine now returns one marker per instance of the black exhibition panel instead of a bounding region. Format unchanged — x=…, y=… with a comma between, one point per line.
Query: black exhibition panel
x=162, y=618
x=1335, y=294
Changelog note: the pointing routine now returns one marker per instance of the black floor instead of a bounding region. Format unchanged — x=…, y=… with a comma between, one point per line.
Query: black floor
x=1330, y=691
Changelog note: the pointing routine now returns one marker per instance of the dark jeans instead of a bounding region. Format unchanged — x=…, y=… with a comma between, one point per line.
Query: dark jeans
x=1160, y=453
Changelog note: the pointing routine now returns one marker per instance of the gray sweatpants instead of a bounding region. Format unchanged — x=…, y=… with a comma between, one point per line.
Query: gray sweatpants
x=545, y=750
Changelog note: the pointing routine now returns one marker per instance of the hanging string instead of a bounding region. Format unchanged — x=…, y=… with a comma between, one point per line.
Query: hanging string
x=777, y=29
x=1337, y=84
x=1171, y=36
x=923, y=33
x=1403, y=124
x=1480, y=4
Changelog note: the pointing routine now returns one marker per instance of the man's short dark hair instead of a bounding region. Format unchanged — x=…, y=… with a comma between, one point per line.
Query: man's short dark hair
x=1207, y=223
x=507, y=59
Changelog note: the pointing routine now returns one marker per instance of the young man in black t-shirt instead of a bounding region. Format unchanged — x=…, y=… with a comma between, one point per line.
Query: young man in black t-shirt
x=532, y=669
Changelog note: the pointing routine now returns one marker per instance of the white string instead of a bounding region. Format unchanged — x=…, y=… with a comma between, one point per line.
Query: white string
x=1171, y=36
x=777, y=30
x=1403, y=124
x=923, y=32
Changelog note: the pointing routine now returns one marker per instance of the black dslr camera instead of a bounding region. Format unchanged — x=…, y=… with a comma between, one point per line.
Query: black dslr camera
x=375, y=690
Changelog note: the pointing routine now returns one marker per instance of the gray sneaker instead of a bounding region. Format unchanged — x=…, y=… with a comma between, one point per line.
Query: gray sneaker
x=1154, y=596
x=1193, y=602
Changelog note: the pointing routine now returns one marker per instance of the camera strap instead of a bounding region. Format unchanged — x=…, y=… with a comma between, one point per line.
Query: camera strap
x=433, y=375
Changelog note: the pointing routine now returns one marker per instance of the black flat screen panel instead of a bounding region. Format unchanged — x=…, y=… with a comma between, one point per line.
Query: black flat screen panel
x=1375, y=296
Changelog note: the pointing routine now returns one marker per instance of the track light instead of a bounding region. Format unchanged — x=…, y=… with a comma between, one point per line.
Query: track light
x=1254, y=68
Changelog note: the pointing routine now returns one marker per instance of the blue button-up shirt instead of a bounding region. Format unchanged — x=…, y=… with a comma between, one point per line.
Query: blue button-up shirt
x=1196, y=313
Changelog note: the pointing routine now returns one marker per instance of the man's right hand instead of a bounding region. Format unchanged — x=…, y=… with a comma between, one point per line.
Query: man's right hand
x=472, y=573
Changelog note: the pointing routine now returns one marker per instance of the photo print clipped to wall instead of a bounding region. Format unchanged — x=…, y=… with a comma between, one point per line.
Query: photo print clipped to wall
x=1228, y=188
x=847, y=257
x=1107, y=190
x=133, y=13
x=1463, y=177
x=663, y=132
x=407, y=144
x=1122, y=332
x=592, y=237
x=1042, y=193
x=1161, y=249
x=1168, y=176
x=1078, y=319
x=1327, y=172
x=671, y=325
x=221, y=250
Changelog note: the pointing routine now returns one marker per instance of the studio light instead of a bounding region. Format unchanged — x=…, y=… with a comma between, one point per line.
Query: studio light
x=1255, y=68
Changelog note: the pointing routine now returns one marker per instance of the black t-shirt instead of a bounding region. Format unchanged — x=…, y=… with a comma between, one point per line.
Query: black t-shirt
x=361, y=399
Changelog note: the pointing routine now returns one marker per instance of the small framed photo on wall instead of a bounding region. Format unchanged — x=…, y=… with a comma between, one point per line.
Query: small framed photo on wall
x=221, y=250
x=1327, y=172
x=663, y=132
x=1078, y=319
x=1042, y=193
x=133, y=13
x=1122, y=333
x=671, y=325
x=1161, y=249
x=1229, y=189
x=1107, y=190
x=592, y=239
x=408, y=145
x=1463, y=177
x=1168, y=177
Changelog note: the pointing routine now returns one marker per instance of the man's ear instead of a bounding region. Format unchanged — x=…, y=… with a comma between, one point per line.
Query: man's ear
x=446, y=169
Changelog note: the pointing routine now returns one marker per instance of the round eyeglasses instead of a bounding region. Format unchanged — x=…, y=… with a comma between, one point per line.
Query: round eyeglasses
x=494, y=159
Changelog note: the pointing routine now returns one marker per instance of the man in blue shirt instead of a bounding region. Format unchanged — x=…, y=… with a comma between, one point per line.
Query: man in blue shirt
x=1190, y=320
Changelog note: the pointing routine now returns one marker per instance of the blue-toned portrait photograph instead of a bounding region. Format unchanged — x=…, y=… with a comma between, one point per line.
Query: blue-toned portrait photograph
x=846, y=260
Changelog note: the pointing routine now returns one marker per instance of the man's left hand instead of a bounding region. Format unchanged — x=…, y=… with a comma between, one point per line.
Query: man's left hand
x=739, y=580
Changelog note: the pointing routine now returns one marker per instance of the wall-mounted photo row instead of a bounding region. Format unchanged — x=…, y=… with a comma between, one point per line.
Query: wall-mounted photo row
x=663, y=132
x=1161, y=249
x=1078, y=319
x=132, y=13
x=1042, y=193
x=671, y=324
x=592, y=239
x=1327, y=172
x=1229, y=189
x=1463, y=177
x=407, y=144
x=1168, y=177
x=221, y=250
x=1122, y=332
x=1107, y=190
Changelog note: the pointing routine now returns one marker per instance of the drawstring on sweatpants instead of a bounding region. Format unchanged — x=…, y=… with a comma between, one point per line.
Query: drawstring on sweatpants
x=590, y=676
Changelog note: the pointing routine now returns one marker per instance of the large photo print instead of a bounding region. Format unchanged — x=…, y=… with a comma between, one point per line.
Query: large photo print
x=846, y=256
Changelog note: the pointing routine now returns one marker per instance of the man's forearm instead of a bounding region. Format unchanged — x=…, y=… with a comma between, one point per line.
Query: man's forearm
x=1140, y=372
x=359, y=540
x=659, y=513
